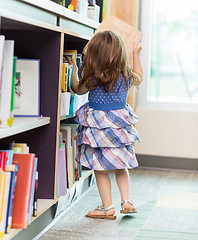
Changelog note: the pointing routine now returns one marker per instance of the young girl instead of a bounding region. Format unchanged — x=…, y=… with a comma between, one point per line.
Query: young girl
x=106, y=133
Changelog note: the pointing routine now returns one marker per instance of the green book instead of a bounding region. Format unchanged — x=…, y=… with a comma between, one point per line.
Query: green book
x=13, y=83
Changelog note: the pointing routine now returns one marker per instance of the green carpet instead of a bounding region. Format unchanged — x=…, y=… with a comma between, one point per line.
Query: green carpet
x=167, y=204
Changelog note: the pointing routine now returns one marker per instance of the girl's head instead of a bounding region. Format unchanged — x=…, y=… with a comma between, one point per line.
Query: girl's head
x=105, y=59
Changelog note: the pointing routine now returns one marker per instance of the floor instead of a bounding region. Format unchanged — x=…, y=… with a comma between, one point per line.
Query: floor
x=167, y=204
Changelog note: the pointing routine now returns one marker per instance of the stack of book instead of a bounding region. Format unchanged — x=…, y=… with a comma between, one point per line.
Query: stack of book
x=19, y=84
x=18, y=186
x=69, y=171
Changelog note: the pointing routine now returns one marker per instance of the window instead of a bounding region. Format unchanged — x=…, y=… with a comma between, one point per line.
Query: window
x=170, y=29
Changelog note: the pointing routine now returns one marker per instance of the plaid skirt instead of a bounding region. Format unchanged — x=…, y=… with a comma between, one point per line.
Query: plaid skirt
x=105, y=138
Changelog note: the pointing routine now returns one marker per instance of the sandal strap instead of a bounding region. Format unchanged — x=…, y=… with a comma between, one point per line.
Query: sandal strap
x=100, y=208
x=126, y=201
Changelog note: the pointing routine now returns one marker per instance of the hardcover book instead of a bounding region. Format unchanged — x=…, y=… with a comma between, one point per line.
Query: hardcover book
x=27, y=91
x=25, y=164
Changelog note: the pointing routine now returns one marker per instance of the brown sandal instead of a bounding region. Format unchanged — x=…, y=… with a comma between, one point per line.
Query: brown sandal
x=105, y=216
x=131, y=210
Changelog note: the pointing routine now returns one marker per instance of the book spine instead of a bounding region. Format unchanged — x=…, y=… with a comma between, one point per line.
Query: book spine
x=35, y=196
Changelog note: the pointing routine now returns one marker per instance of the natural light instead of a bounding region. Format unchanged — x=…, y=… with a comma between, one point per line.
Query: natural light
x=174, y=52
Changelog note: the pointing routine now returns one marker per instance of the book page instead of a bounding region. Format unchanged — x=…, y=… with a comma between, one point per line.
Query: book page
x=128, y=33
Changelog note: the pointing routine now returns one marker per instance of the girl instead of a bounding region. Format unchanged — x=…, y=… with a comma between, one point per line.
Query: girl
x=106, y=133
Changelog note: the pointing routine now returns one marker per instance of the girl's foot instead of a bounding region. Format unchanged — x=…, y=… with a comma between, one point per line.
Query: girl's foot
x=127, y=207
x=102, y=213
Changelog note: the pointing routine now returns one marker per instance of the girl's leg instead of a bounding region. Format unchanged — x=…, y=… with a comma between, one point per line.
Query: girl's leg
x=104, y=188
x=123, y=182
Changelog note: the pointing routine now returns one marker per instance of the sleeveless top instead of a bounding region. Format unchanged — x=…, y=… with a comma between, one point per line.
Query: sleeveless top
x=113, y=100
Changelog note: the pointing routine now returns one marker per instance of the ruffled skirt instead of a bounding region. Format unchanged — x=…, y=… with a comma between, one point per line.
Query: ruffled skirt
x=105, y=138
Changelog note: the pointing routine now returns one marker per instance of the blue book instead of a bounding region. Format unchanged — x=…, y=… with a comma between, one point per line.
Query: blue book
x=9, y=156
x=30, y=208
x=10, y=199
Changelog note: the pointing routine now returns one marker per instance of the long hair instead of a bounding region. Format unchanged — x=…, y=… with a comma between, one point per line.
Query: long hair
x=105, y=60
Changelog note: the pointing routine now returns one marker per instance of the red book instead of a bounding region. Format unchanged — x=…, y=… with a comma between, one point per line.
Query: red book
x=25, y=164
x=3, y=159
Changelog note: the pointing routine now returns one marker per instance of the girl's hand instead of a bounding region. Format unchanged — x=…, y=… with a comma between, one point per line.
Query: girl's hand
x=72, y=62
x=137, y=47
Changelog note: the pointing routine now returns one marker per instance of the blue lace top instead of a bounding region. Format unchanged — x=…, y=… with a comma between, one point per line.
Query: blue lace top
x=113, y=100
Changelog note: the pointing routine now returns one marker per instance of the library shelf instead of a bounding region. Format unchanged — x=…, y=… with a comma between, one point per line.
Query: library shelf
x=42, y=30
x=23, y=124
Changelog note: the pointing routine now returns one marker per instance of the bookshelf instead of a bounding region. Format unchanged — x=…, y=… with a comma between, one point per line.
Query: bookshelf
x=42, y=30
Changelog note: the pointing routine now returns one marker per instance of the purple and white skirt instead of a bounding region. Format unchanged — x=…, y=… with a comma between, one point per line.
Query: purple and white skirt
x=105, y=138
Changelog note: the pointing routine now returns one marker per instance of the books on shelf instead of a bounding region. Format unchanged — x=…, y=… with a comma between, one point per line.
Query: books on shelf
x=70, y=101
x=68, y=145
x=27, y=88
x=18, y=187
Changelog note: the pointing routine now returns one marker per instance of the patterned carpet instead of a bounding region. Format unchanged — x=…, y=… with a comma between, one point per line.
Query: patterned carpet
x=167, y=204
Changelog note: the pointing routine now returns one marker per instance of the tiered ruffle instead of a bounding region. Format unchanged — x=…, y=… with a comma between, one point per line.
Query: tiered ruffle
x=105, y=138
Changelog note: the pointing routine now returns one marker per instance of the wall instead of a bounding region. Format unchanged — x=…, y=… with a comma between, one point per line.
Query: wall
x=167, y=133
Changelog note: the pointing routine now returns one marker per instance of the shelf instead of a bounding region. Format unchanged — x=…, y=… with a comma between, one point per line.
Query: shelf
x=64, y=12
x=23, y=124
x=43, y=205
x=67, y=116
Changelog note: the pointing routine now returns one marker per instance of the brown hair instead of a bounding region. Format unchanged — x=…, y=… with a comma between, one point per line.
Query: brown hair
x=105, y=60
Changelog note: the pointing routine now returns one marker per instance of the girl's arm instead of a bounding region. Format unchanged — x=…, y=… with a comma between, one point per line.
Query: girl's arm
x=137, y=66
x=79, y=89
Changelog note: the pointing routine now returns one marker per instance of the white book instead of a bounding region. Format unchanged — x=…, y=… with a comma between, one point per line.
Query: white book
x=5, y=202
x=66, y=131
x=81, y=7
x=2, y=42
x=5, y=102
x=27, y=98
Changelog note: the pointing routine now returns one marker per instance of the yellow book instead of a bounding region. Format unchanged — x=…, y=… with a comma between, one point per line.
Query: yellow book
x=71, y=54
x=3, y=178
x=64, y=78
x=23, y=146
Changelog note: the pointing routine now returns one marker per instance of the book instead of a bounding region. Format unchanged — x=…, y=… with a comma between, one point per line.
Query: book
x=6, y=116
x=128, y=33
x=3, y=159
x=13, y=84
x=72, y=54
x=81, y=7
x=64, y=83
x=25, y=164
x=2, y=193
x=2, y=42
x=71, y=4
x=62, y=185
x=4, y=202
x=65, y=103
x=23, y=146
x=28, y=100
x=31, y=202
x=66, y=131
x=9, y=156
x=35, y=196
x=13, y=172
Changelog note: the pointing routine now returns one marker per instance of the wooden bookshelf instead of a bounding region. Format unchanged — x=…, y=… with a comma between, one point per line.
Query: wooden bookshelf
x=42, y=30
